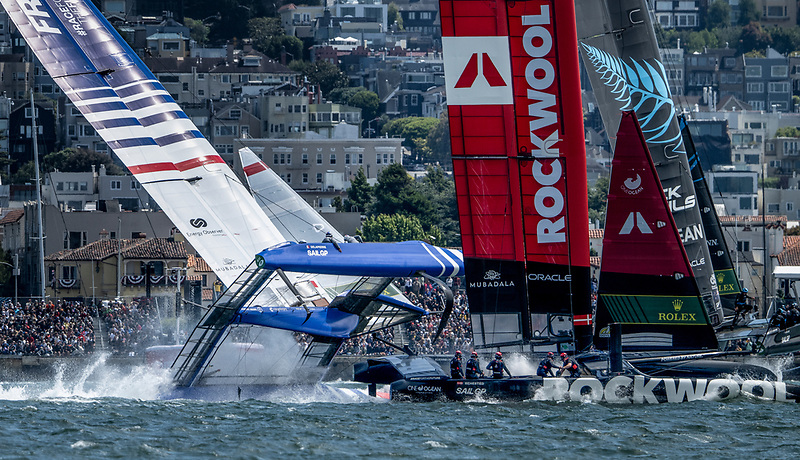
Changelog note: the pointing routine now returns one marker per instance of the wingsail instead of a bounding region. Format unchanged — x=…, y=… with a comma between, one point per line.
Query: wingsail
x=619, y=49
x=646, y=279
x=727, y=281
x=516, y=127
x=291, y=215
x=138, y=119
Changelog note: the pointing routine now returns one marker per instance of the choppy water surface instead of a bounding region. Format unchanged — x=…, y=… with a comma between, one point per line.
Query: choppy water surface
x=118, y=416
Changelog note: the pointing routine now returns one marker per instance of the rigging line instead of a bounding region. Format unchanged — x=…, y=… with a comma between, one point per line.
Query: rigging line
x=275, y=215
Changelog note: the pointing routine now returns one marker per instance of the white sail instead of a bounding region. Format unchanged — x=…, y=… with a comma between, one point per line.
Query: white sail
x=288, y=211
x=148, y=131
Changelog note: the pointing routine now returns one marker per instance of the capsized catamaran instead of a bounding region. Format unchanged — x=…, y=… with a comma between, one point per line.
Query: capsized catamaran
x=176, y=165
x=619, y=48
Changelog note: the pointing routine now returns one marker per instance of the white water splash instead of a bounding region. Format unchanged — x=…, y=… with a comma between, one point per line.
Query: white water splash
x=95, y=380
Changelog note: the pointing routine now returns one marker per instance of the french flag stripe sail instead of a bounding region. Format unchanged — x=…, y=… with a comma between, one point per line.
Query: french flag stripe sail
x=133, y=113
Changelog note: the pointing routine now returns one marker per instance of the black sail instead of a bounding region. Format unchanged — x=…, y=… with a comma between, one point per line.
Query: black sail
x=619, y=50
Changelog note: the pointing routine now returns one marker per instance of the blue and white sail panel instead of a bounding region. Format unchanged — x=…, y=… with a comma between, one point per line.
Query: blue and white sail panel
x=147, y=130
x=288, y=211
x=365, y=259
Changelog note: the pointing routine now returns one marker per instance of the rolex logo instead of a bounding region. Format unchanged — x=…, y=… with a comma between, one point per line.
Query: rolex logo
x=720, y=278
x=677, y=304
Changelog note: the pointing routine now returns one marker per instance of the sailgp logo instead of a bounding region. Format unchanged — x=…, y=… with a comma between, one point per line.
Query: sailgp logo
x=632, y=185
x=636, y=218
x=470, y=73
x=478, y=70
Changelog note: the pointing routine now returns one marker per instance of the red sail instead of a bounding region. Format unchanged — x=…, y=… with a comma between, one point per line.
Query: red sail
x=519, y=162
x=640, y=235
x=646, y=279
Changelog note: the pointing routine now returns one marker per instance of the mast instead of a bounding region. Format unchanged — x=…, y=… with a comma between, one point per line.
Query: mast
x=38, y=198
x=727, y=281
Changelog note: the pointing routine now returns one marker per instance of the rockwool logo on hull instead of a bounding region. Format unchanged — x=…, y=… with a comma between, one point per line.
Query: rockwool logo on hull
x=640, y=389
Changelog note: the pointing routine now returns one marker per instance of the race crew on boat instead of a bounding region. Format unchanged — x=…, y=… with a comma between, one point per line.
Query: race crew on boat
x=456, y=371
x=497, y=366
x=569, y=365
x=474, y=367
x=546, y=366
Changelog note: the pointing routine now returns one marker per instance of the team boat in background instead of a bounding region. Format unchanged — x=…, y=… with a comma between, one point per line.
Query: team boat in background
x=281, y=320
x=511, y=70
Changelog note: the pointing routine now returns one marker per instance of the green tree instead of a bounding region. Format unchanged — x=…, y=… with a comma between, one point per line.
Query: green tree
x=79, y=160
x=788, y=131
x=440, y=187
x=338, y=204
x=748, y=12
x=397, y=227
x=270, y=38
x=439, y=142
x=753, y=38
x=719, y=15
x=360, y=193
x=25, y=174
x=598, y=198
x=368, y=102
x=414, y=130
x=197, y=30
x=393, y=15
x=785, y=40
x=322, y=73
x=395, y=193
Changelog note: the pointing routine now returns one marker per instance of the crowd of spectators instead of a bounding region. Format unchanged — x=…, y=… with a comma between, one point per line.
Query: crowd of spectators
x=46, y=328
x=419, y=334
x=131, y=327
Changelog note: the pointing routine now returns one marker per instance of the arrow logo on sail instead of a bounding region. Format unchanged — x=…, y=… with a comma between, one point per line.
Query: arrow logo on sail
x=635, y=218
x=470, y=73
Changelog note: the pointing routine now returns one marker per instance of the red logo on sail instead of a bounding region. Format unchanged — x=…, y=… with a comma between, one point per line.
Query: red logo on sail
x=470, y=73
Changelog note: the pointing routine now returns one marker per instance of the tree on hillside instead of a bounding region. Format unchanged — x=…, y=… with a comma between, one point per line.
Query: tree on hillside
x=270, y=38
x=753, y=38
x=79, y=160
x=440, y=188
x=322, y=73
x=598, y=198
x=360, y=194
x=719, y=15
x=397, y=227
x=197, y=30
x=395, y=193
x=748, y=12
x=414, y=131
x=393, y=15
x=439, y=143
x=788, y=131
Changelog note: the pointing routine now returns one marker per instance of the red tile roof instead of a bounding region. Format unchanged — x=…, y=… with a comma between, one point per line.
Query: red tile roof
x=12, y=216
x=752, y=219
x=198, y=264
x=596, y=233
x=153, y=248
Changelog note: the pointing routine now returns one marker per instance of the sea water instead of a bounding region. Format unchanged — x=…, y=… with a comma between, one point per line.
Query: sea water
x=110, y=413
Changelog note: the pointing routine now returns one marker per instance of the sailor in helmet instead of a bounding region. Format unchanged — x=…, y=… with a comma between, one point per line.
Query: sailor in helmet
x=474, y=367
x=455, y=366
x=741, y=306
x=569, y=365
x=497, y=366
x=546, y=366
